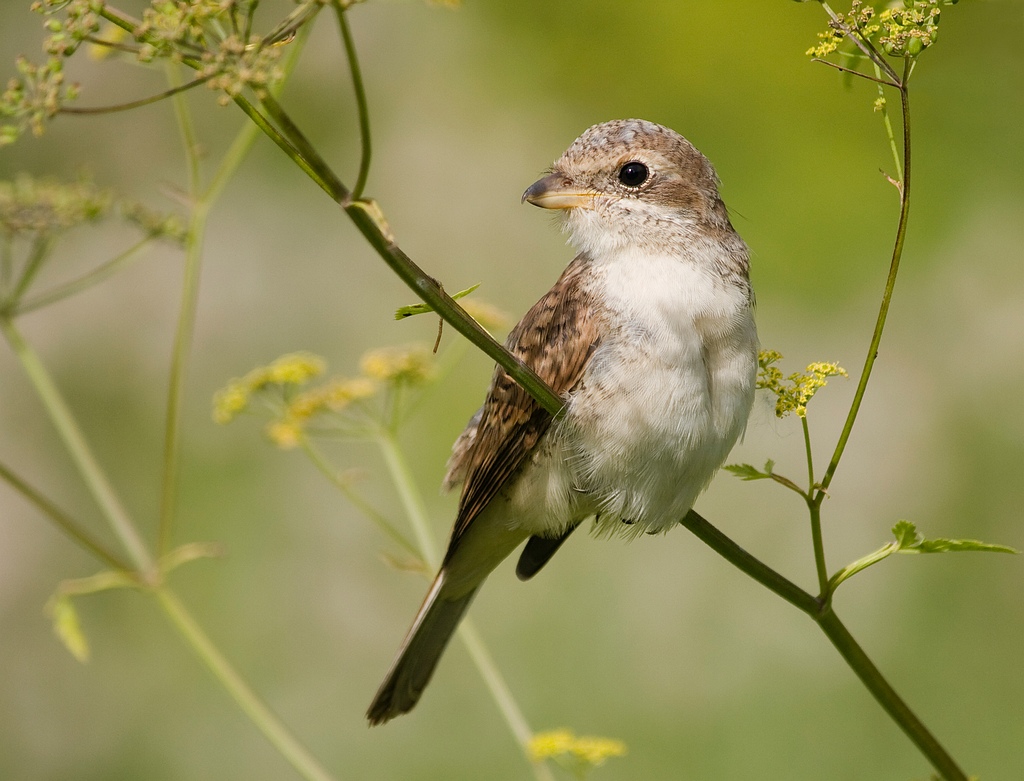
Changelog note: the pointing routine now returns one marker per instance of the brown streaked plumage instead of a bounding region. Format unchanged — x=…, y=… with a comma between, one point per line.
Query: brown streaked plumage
x=649, y=337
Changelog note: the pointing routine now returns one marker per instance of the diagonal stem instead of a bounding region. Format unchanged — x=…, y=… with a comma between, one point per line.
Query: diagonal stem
x=64, y=522
x=361, y=104
x=272, y=728
x=76, y=445
x=890, y=283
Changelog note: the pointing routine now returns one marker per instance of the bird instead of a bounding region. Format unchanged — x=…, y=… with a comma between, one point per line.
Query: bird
x=648, y=337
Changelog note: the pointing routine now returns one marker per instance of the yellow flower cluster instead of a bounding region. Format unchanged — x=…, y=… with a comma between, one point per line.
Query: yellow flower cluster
x=857, y=21
x=409, y=365
x=291, y=369
x=793, y=393
x=586, y=750
x=286, y=432
x=909, y=31
x=294, y=410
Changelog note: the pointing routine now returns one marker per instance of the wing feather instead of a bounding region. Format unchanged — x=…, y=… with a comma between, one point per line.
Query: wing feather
x=556, y=338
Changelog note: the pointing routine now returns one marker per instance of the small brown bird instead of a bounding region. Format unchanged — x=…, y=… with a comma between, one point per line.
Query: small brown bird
x=649, y=338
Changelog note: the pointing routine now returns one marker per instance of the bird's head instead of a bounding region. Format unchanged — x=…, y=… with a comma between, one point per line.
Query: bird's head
x=630, y=182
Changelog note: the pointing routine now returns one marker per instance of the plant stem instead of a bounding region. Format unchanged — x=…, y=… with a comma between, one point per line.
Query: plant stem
x=821, y=612
x=815, y=511
x=412, y=502
x=361, y=104
x=360, y=503
x=413, y=505
x=83, y=282
x=275, y=731
x=63, y=521
x=202, y=203
x=890, y=283
x=78, y=448
x=887, y=697
x=502, y=695
x=186, y=322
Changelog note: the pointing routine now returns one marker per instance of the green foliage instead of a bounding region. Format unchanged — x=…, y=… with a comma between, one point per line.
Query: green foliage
x=909, y=540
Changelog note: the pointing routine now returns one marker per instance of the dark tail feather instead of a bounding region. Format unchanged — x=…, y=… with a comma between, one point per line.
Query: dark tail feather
x=537, y=552
x=419, y=654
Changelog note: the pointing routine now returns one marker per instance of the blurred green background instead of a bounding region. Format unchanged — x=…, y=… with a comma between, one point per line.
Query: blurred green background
x=659, y=643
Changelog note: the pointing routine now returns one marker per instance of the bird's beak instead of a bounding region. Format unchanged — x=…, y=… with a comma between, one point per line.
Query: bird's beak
x=555, y=191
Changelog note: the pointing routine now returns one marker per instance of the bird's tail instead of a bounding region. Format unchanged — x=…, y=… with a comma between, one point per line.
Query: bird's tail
x=420, y=651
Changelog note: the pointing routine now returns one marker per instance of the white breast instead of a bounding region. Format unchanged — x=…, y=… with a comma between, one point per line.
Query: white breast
x=663, y=401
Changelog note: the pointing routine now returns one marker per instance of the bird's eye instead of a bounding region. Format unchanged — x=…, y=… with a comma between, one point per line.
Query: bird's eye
x=633, y=174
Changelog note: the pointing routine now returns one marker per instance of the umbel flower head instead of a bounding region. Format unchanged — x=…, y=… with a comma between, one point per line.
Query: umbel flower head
x=578, y=753
x=279, y=387
x=793, y=393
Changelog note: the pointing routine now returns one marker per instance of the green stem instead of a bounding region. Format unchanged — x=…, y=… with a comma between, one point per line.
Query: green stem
x=414, y=508
x=355, y=498
x=819, y=548
x=275, y=731
x=502, y=695
x=40, y=249
x=78, y=448
x=887, y=697
x=890, y=283
x=175, y=90
x=83, y=282
x=186, y=322
x=294, y=144
x=412, y=502
x=889, y=134
x=825, y=617
x=361, y=104
x=63, y=521
x=755, y=568
x=202, y=203
x=815, y=511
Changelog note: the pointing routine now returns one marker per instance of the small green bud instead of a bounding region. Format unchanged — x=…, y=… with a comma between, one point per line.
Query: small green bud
x=915, y=46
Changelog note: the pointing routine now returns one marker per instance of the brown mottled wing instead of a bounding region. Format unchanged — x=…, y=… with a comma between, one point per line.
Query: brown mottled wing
x=556, y=339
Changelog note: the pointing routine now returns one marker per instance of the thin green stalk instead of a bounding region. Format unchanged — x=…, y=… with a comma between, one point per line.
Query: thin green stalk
x=83, y=282
x=414, y=508
x=202, y=203
x=186, y=322
x=889, y=134
x=63, y=521
x=175, y=90
x=887, y=697
x=752, y=566
x=502, y=695
x=819, y=548
x=370, y=224
x=412, y=502
x=355, y=498
x=273, y=729
x=883, y=311
x=78, y=449
x=361, y=104
x=815, y=511
x=40, y=249
x=852, y=653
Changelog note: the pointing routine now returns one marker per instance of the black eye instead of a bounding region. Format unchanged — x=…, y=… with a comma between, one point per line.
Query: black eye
x=633, y=174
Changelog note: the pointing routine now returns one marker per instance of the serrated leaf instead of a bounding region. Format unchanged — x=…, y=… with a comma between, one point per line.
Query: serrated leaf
x=749, y=472
x=906, y=534
x=421, y=309
x=941, y=545
x=67, y=627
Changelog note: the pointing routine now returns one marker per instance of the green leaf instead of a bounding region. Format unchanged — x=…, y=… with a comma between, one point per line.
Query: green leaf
x=422, y=309
x=67, y=626
x=909, y=541
x=749, y=472
x=906, y=534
